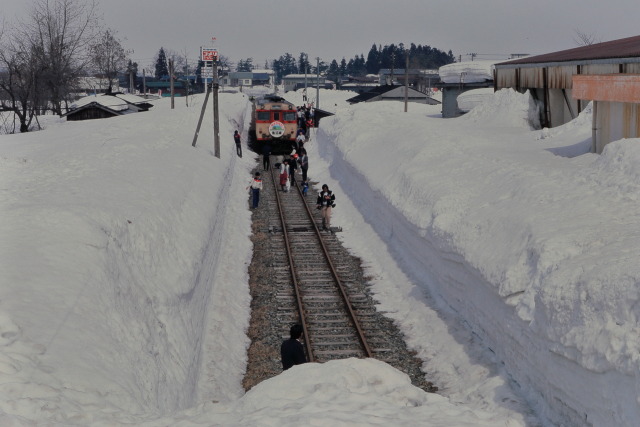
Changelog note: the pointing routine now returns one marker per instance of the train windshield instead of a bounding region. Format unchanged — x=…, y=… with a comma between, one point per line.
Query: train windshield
x=289, y=116
x=264, y=115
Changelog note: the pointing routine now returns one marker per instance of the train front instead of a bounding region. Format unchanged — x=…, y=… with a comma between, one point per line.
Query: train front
x=276, y=123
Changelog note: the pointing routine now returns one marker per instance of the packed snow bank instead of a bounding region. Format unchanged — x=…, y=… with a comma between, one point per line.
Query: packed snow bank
x=472, y=98
x=349, y=392
x=113, y=255
x=536, y=252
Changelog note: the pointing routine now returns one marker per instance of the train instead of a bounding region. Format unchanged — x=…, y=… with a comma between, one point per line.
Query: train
x=274, y=120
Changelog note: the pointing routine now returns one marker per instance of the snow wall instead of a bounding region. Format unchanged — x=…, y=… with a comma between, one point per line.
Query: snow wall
x=521, y=301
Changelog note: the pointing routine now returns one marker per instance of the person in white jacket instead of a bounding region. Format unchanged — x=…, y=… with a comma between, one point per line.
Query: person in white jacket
x=256, y=186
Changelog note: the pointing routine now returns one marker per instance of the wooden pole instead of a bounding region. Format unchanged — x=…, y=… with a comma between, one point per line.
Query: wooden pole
x=406, y=83
x=204, y=107
x=216, y=113
x=171, y=82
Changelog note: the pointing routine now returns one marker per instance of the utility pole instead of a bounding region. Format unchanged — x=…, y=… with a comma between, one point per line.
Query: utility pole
x=406, y=83
x=318, y=83
x=216, y=122
x=144, y=82
x=171, y=82
x=204, y=107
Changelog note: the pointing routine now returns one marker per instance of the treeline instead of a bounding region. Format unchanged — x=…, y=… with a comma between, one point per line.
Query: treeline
x=379, y=57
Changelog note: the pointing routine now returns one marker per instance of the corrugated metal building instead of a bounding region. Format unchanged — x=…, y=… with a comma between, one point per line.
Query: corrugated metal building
x=550, y=77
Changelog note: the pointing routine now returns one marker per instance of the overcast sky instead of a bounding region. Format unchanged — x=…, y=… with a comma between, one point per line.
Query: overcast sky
x=333, y=29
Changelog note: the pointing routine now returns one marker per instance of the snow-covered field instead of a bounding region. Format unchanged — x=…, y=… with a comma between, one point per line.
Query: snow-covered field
x=508, y=257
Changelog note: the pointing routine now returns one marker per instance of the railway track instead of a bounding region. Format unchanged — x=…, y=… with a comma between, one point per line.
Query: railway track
x=304, y=275
x=329, y=315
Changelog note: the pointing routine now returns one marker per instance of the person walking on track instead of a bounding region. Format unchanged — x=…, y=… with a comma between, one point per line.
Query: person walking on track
x=256, y=186
x=266, y=152
x=325, y=203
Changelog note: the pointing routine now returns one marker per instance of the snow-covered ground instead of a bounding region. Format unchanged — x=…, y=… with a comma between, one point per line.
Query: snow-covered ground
x=508, y=257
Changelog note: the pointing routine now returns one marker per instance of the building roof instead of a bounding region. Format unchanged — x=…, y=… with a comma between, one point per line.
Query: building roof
x=379, y=90
x=114, y=103
x=622, y=48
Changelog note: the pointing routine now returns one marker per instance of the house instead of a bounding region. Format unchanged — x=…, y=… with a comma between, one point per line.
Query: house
x=300, y=81
x=249, y=78
x=393, y=93
x=106, y=105
x=163, y=87
x=422, y=80
x=460, y=77
x=550, y=77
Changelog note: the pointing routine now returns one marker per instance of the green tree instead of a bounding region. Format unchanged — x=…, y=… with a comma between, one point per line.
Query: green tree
x=162, y=68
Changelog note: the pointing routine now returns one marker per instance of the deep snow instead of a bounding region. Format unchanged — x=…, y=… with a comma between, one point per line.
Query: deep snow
x=507, y=255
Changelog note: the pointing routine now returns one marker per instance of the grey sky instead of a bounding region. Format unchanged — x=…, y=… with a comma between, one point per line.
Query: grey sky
x=333, y=29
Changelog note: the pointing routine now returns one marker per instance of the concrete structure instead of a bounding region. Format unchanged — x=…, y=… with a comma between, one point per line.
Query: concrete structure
x=616, y=106
x=550, y=77
x=460, y=77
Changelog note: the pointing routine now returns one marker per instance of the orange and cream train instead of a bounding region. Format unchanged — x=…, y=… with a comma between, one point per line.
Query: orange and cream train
x=275, y=121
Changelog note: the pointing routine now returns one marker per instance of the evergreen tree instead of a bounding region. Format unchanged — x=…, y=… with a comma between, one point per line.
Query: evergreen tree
x=303, y=63
x=343, y=67
x=162, y=69
x=333, y=73
x=245, y=65
x=373, y=60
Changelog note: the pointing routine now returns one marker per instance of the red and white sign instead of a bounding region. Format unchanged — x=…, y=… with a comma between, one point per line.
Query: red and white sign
x=208, y=54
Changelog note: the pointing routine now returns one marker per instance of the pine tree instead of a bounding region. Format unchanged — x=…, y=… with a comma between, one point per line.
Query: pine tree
x=162, y=69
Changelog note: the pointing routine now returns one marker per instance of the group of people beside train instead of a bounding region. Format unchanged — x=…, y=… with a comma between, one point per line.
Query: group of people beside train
x=305, y=116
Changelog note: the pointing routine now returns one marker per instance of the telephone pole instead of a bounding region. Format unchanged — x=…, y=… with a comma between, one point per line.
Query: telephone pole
x=171, y=82
x=406, y=83
x=318, y=83
x=216, y=114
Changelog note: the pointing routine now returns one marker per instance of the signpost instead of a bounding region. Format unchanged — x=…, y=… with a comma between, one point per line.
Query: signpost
x=209, y=56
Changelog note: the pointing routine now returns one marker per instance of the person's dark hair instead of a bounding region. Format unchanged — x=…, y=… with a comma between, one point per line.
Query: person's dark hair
x=296, y=331
x=325, y=186
x=257, y=173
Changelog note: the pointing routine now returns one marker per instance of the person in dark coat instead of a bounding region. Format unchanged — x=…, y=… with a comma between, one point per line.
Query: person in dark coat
x=266, y=152
x=236, y=138
x=326, y=202
x=291, y=350
x=304, y=163
x=293, y=166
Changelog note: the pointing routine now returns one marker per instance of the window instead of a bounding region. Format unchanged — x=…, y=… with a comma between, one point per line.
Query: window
x=289, y=116
x=264, y=115
x=276, y=115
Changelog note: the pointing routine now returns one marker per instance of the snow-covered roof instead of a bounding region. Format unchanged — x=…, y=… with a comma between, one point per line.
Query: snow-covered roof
x=116, y=102
x=467, y=72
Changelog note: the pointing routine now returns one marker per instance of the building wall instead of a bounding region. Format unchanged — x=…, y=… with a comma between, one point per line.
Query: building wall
x=616, y=120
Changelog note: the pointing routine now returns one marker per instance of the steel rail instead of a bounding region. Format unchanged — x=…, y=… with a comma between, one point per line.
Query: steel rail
x=292, y=270
x=336, y=278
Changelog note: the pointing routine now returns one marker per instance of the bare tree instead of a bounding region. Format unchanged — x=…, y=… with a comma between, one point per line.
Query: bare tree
x=584, y=39
x=61, y=30
x=108, y=56
x=20, y=79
